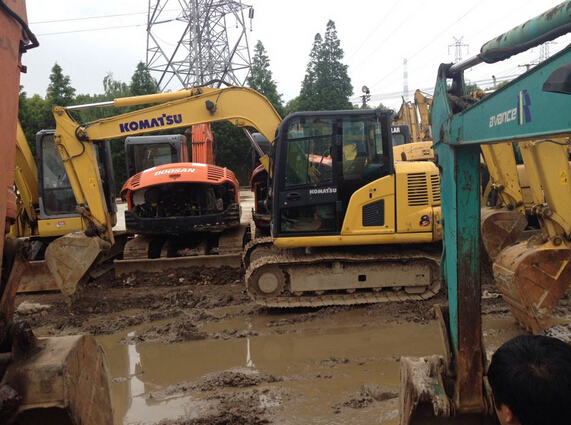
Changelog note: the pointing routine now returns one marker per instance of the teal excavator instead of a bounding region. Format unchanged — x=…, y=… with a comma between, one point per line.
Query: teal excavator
x=533, y=274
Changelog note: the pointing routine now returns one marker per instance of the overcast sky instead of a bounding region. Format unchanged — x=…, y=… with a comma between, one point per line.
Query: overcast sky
x=89, y=39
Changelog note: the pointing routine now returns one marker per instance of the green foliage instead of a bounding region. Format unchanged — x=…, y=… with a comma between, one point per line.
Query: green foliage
x=141, y=82
x=232, y=150
x=470, y=88
x=326, y=85
x=35, y=113
x=292, y=106
x=498, y=86
x=60, y=92
x=260, y=78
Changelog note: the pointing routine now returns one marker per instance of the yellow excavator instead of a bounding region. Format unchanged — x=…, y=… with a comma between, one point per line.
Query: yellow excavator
x=42, y=380
x=534, y=274
x=46, y=207
x=337, y=223
x=415, y=117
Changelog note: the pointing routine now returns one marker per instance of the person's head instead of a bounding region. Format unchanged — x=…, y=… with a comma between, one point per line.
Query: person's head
x=530, y=378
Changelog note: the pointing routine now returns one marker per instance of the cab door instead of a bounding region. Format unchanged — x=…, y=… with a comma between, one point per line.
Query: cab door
x=321, y=160
x=306, y=202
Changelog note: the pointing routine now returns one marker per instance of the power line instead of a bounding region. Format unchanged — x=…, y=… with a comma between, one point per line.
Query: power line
x=91, y=29
x=93, y=17
x=372, y=32
x=430, y=90
x=430, y=42
x=379, y=46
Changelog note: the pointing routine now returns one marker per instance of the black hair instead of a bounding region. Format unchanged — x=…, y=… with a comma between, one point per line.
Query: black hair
x=531, y=374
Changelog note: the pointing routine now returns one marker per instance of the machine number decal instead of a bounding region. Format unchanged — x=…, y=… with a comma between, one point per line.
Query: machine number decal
x=424, y=221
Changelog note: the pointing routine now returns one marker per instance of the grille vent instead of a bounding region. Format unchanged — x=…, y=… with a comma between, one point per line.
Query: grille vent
x=214, y=173
x=136, y=180
x=435, y=183
x=374, y=214
x=417, y=189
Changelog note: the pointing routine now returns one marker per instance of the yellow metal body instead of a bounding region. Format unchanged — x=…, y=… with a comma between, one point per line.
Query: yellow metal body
x=240, y=106
x=408, y=219
x=501, y=164
x=415, y=116
x=533, y=275
x=29, y=223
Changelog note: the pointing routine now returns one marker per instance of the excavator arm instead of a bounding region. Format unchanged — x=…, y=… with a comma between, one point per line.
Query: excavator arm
x=453, y=388
x=415, y=116
x=243, y=107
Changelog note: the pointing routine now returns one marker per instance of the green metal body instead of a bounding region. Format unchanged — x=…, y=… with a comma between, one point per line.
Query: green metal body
x=520, y=110
x=547, y=26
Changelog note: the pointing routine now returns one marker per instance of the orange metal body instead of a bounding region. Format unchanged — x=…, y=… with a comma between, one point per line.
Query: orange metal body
x=11, y=36
x=183, y=172
x=202, y=144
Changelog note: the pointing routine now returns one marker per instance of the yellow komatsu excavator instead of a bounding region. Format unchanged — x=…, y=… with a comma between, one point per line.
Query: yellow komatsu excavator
x=60, y=380
x=415, y=116
x=46, y=206
x=345, y=230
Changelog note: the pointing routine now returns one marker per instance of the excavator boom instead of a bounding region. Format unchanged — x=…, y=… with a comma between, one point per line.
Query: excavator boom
x=240, y=106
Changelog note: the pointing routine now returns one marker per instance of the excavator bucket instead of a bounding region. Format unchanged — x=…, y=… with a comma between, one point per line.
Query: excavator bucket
x=532, y=280
x=424, y=399
x=70, y=258
x=500, y=228
x=64, y=381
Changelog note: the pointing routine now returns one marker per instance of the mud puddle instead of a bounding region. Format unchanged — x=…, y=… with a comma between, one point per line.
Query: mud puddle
x=327, y=370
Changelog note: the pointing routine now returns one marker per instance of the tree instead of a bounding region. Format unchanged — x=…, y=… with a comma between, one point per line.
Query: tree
x=327, y=85
x=60, y=92
x=233, y=150
x=307, y=95
x=35, y=114
x=141, y=82
x=292, y=106
x=260, y=78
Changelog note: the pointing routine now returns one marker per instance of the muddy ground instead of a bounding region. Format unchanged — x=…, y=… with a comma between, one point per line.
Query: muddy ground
x=190, y=347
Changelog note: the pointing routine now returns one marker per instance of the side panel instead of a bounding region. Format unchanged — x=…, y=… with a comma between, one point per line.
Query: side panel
x=418, y=192
x=10, y=37
x=377, y=199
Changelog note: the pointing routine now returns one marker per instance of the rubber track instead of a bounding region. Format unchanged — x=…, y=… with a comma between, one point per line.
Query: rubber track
x=283, y=258
x=267, y=243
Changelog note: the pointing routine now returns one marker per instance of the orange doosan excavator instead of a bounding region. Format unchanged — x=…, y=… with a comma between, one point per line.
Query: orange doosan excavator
x=176, y=207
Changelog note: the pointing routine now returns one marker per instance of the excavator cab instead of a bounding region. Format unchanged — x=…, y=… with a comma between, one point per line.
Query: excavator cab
x=400, y=135
x=57, y=203
x=144, y=152
x=321, y=161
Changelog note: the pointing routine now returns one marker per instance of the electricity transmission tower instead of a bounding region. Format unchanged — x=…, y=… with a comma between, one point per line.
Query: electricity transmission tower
x=193, y=42
x=458, y=48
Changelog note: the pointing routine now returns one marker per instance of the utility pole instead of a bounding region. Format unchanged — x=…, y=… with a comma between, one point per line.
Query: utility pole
x=194, y=42
x=366, y=96
x=405, y=78
x=544, y=51
x=458, y=49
